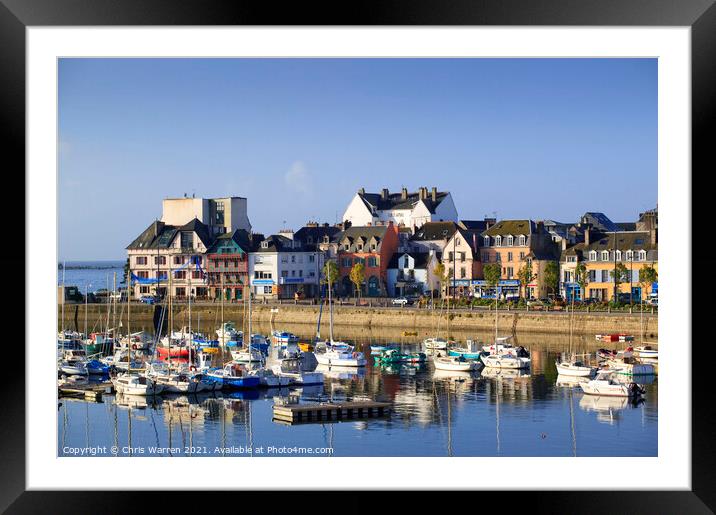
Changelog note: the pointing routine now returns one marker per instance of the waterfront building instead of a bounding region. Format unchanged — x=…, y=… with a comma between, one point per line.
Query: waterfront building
x=220, y=215
x=412, y=273
x=404, y=209
x=162, y=247
x=372, y=246
x=601, y=252
x=432, y=237
x=227, y=265
x=281, y=266
x=515, y=244
x=461, y=258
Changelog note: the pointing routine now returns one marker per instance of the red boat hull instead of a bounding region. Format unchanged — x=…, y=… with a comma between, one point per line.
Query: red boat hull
x=173, y=353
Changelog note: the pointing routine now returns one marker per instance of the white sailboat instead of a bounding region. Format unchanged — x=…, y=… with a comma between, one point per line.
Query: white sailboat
x=338, y=354
x=605, y=385
x=572, y=366
x=456, y=364
x=519, y=359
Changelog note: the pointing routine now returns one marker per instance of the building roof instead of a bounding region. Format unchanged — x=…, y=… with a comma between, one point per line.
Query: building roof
x=375, y=201
x=431, y=231
x=474, y=225
x=422, y=259
x=625, y=240
x=277, y=243
x=626, y=226
x=599, y=221
x=315, y=233
x=239, y=236
x=159, y=235
x=514, y=227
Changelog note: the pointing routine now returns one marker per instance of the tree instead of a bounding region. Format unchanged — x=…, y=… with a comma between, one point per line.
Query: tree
x=620, y=275
x=647, y=276
x=581, y=277
x=439, y=272
x=126, y=272
x=330, y=273
x=357, y=276
x=550, y=275
x=525, y=276
x=492, y=273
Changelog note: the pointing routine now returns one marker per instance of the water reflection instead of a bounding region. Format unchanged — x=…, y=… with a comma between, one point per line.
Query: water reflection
x=492, y=412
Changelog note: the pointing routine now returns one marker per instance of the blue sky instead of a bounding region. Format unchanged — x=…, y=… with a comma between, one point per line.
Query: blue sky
x=525, y=138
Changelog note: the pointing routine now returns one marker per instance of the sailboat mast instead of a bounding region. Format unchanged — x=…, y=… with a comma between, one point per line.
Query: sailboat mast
x=86, y=298
x=129, y=332
x=330, y=303
x=223, y=330
x=62, y=326
x=114, y=309
x=190, y=338
x=249, y=328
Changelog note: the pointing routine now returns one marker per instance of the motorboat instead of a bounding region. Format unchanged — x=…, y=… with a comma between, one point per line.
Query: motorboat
x=505, y=361
x=395, y=356
x=233, y=376
x=173, y=348
x=228, y=333
x=73, y=367
x=456, y=364
x=646, y=351
x=136, y=385
x=470, y=351
x=247, y=356
x=284, y=338
x=605, y=385
x=574, y=369
x=177, y=382
x=290, y=351
x=341, y=357
x=435, y=343
x=503, y=347
x=376, y=350
x=99, y=343
x=96, y=367
x=299, y=378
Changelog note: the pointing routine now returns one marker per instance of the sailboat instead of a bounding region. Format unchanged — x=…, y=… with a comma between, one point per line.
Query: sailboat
x=573, y=367
x=500, y=359
x=336, y=353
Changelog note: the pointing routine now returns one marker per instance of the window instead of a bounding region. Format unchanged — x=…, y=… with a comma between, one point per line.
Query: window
x=618, y=255
x=181, y=274
x=498, y=257
x=180, y=292
x=522, y=256
x=311, y=258
x=284, y=273
x=264, y=244
x=509, y=256
x=510, y=241
x=284, y=258
x=144, y=289
x=522, y=241
x=593, y=255
x=629, y=255
x=219, y=220
x=372, y=262
x=161, y=275
x=592, y=276
x=605, y=276
x=142, y=260
x=509, y=272
x=160, y=260
x=486, y=241
x=178, y=260
x=300, y=273
x=187, y=240
x=498, y=241
x=268, y=290
x=450, y=256
x=143, y=274
x=311, y=274
x=486, y=258
x=196, y=274
x=605, y=255
x=457, y=241
x=293, y=273
x=462, y=272
x=293, y=259
x=462, y=257
x=571, y=259
x=642, y=255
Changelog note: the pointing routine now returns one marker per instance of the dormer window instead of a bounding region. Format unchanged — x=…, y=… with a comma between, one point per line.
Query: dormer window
x=486, y=241
x=605, y=255
x=498, y=241
x=264, y=244
x=593, y=255
x=522, y=241
x=642, y=255
x=619, y=255
x=629, y=255
x=510, y=241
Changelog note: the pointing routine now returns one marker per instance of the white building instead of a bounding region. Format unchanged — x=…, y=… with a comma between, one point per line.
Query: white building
x=221, y=215
x=280, y=267
x=412, y=274
x=403, y=209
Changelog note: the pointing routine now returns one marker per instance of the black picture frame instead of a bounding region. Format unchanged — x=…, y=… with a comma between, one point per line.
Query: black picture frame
x=700, y=15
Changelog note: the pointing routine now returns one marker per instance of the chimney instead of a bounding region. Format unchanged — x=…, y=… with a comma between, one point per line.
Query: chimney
x=435, y=194
x=404, y=194
x=540, y=227
x=384, y=194
x=653, y=236
x=564, y=243
x=587, y=232
x=361, y=191
x=422, y=193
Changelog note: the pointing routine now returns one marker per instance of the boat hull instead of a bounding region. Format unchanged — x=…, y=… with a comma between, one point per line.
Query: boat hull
x=574, y=371
x=505, y=362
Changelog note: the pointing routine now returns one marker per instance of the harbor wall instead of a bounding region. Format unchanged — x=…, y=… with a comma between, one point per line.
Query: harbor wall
x=367, y=317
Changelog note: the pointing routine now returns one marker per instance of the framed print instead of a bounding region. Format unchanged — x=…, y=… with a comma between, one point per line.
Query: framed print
x=415, y=250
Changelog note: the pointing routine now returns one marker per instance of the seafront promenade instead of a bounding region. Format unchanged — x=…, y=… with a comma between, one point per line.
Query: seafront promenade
x=403, y=318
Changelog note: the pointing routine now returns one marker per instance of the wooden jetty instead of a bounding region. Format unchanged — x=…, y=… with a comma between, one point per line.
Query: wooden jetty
x=329, y=411
x=92, y=392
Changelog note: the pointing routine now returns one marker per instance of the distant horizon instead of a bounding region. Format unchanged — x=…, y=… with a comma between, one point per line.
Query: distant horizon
x=522, y=138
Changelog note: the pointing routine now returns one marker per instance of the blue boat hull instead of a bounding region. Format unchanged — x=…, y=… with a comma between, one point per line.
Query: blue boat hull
x=466, y=355
x=234, y=383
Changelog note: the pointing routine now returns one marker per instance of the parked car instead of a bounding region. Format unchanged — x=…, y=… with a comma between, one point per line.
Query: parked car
x=149, y=299
x=402, y=301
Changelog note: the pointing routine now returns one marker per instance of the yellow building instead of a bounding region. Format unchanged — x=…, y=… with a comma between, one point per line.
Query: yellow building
x=601, y=252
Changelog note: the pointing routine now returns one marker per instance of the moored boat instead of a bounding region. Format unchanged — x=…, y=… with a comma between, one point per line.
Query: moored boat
x=605, y=385
x=136, y=385
x=455, y=364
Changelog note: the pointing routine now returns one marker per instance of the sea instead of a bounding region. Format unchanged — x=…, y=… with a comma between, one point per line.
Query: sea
x=91, y=275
